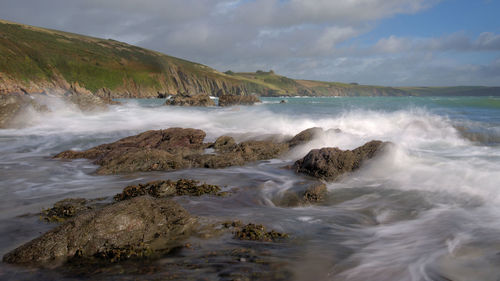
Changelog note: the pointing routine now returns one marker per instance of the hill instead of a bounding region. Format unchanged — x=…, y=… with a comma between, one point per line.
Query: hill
x=34, y=60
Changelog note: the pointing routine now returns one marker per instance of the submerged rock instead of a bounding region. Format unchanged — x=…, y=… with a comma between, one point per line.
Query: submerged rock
x=190, y=100
x=140, y=225
x=167, y=188
x=230, y=100
x=313, y=194
x=257, y=232
x=330, y=163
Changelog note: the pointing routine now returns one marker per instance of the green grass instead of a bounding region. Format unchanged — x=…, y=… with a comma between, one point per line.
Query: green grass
x=35, y=54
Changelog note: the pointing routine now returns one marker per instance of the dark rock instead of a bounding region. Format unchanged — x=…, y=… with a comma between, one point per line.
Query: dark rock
x=257, y=232
x=190, y=100
x=224, y=143
x=283, y=101
x=167, y=188
x=65, y=209
x=330, y=163
x=142, y=224
x=305, y=136
x=230, y=100
x=174, y=149
x=313, y=194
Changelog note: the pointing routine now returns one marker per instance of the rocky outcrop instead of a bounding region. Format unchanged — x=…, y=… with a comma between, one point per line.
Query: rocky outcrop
x=330, y=163
x=230, y=100
x=174, y=149
x=190, y=100
x=132, y=228
x=14, y=105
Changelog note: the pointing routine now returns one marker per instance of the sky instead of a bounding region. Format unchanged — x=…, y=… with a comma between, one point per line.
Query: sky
x=376, y=42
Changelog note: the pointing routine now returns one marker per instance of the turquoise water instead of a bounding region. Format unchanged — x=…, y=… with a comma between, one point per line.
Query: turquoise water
x=429, y=209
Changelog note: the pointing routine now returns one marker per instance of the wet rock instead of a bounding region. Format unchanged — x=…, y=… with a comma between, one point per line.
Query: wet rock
x=85, y=99
x=230, y=100
x=12, y=107
x=232, y=224
x=257, y=232
x=65, y=209
x=143, y=224
x=283, y=101
x=330, y=163
x=305, y=136
x=313, y=194
x=174, y=149
x=224, y=143
x=167, y=188
x=190, y=100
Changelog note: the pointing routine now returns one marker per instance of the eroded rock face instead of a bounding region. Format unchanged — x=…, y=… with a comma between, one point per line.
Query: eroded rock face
x=330, y=163
x=190, y=100
x=230, y=100
x=144, y=224
x=175, y=149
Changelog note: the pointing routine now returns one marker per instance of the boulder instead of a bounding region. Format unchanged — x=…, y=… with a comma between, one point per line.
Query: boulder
x=230, y=100
x=190, y=100
x=131, y=228
x=330, y=163
x=305, y=136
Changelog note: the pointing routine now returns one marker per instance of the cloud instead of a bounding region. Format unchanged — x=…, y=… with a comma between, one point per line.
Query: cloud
x=313, y=39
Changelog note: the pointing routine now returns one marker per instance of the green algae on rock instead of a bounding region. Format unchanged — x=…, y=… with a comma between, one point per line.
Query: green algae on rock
x=257, y=232
x=159, y=224
x=166, y=188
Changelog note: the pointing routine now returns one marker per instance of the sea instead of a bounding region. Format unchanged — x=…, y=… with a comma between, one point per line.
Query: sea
x=427, y=209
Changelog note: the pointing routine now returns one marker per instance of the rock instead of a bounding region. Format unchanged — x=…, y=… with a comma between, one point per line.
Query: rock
x=330, y=163
x=224, y=143
x=305, y=136
x=230, y=100
x=283, y=101
x=65, y=209
x=169, y=140
x=190, y=100
x=141, y=225
x=84, y=99
x=13, y=105
x=167, y=188
x=313, y=194
x=174, y=149
x=257, y=232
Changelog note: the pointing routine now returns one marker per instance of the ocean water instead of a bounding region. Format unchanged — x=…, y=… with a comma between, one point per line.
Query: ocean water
x=428, y=209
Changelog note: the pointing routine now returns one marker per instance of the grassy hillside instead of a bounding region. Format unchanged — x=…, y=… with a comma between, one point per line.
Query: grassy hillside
x=30, y=54
x=35, y=59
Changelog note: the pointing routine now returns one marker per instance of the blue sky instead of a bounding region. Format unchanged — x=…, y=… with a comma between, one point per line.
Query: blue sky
x=384, y=42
